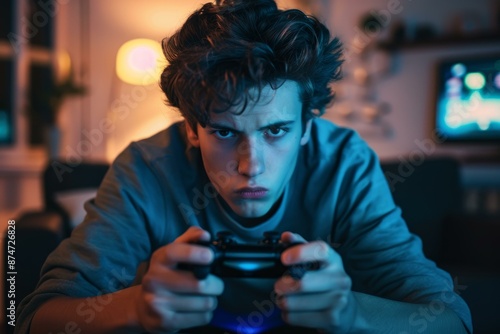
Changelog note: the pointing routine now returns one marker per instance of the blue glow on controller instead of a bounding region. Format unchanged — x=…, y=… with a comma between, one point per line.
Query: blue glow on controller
x=248, y=266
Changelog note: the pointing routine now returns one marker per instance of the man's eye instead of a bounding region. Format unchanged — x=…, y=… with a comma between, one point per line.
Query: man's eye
x=223, y=134
x=276, y=131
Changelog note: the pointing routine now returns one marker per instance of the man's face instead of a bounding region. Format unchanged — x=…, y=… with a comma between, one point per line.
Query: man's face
x=250, y=157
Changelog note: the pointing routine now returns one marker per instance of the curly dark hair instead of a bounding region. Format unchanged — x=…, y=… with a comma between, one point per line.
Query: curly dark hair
x=225, y=49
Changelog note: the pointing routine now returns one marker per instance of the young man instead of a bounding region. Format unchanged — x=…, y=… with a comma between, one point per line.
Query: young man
x=250, y=157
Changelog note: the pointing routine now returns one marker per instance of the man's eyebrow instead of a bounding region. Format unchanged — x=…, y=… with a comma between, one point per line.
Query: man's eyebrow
x=215, y=125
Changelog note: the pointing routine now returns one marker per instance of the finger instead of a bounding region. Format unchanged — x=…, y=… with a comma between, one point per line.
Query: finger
x=166, y=281
x=174, y=253
x=308, y=252
x=312, y=301
x=192, y=234
x=313, y=282
x=329, y=279
x=289, y=237
x=178, y=320
x=187, y=320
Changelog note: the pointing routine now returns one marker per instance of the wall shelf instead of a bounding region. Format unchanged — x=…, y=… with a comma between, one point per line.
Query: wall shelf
x=492, y=38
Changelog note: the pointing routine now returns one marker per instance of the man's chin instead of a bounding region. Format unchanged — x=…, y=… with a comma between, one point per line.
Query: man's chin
x=249, y=214
x=257, y=210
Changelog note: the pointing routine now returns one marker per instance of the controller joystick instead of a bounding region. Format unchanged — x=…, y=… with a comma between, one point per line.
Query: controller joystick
x=262, y=260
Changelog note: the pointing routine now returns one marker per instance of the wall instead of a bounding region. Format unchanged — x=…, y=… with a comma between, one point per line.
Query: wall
x=136, y=112
x=409, y=88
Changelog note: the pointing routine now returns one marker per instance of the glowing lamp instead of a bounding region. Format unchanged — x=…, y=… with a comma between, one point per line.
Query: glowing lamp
x=138, y=62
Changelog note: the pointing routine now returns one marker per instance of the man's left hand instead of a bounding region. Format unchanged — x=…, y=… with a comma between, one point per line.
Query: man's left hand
x=322, y=299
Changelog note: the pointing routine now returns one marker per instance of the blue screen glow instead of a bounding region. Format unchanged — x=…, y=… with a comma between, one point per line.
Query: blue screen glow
x=468, y=102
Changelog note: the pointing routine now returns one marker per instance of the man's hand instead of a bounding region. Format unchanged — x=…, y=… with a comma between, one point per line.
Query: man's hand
x=321, y=299
x=172, y=299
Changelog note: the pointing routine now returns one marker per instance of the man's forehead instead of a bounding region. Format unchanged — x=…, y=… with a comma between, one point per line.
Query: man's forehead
x=252, y=120
x=273, y=105
x=258, y=117
x=269, y=91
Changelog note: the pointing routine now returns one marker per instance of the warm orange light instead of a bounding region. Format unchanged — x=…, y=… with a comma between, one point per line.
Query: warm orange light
x=138, y=62
x=63, y=65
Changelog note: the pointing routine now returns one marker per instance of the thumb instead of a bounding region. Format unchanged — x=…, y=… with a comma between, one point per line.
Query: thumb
x=289, y=237
x=192, y=234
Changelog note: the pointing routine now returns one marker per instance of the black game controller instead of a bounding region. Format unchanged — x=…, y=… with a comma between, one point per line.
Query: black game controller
x=262, y=260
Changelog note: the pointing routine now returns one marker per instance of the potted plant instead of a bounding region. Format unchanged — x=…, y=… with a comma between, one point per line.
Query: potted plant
x=56, y=96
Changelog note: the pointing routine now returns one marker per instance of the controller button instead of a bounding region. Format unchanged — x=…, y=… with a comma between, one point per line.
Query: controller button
x=225, y=237
x=271, y=237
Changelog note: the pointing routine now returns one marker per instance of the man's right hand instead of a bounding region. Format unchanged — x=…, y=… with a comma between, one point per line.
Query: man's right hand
x=171, y=299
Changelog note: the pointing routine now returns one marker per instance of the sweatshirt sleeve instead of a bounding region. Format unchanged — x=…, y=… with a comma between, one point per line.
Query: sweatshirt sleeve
x=105, y=250
x=379, y=253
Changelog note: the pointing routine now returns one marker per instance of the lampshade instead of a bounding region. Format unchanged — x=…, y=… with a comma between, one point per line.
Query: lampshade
x=138, y=62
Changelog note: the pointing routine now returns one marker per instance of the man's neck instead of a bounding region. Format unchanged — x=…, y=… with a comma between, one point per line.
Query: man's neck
x=254, y=221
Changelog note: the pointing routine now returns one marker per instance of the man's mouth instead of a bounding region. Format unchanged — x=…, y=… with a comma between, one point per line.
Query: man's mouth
x=252, y=192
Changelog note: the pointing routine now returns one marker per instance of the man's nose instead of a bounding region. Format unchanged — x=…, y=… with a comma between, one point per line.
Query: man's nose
x=250, y=158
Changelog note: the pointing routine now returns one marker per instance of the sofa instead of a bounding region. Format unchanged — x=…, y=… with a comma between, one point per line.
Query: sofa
x=65, y=188
x=466, y=245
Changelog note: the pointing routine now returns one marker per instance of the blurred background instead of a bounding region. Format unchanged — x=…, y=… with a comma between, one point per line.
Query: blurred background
x=78, y=83
x=66, y=50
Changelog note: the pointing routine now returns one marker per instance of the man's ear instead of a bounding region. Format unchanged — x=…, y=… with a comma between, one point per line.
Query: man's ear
x=307, y=133
x=192, y=135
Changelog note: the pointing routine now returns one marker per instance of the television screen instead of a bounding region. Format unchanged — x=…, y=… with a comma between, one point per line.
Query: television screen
x=468, y=99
